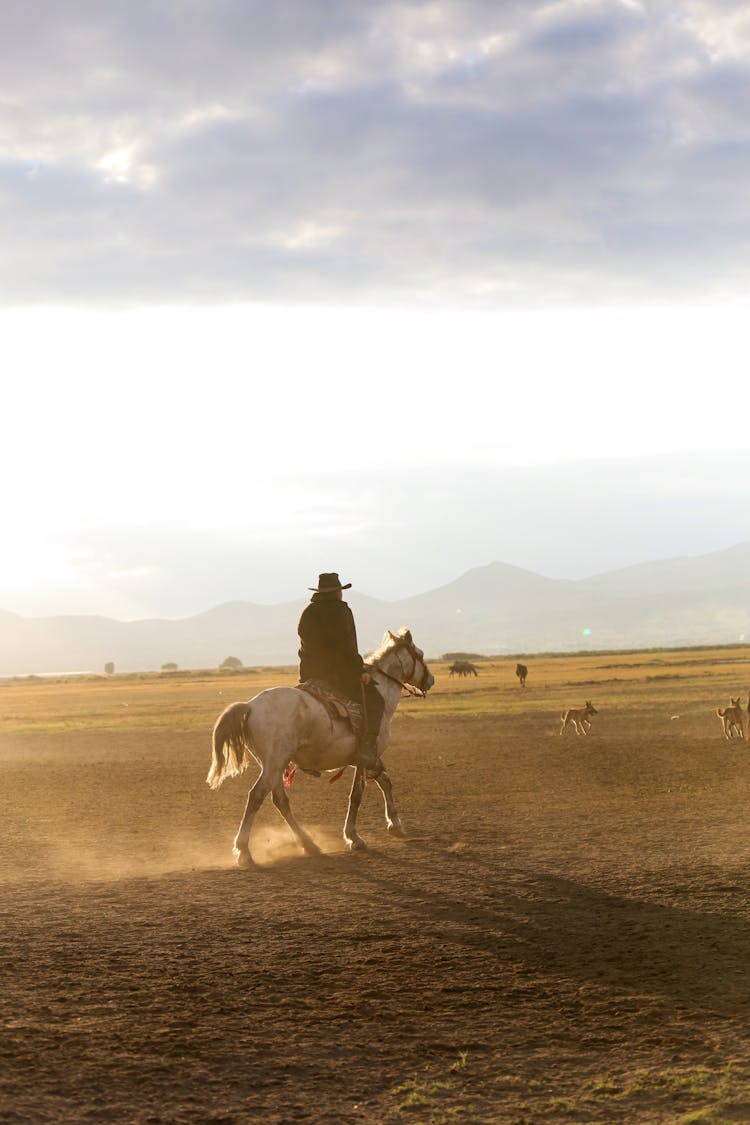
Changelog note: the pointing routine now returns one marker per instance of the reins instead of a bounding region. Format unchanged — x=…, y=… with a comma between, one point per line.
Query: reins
x=416, y=692
x=407, y=687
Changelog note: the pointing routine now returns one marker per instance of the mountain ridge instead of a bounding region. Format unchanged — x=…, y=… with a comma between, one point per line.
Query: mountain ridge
x=496, y=608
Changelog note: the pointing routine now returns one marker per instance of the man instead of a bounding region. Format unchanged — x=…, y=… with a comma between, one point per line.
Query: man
x=328, y=652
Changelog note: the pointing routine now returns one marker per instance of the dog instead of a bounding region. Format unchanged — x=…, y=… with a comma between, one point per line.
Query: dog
x=579, y=718
x=731, y=718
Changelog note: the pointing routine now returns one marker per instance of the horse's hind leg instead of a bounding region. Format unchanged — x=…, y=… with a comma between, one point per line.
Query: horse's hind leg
x=351, y=836
x=281, y=801
x=255, y=799
x=392, y=819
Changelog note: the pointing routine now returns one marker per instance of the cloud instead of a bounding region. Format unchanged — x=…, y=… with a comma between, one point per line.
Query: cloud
x=422, y=152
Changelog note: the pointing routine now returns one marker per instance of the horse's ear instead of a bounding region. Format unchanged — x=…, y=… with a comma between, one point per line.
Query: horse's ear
x=392, y=635
x=407, y=637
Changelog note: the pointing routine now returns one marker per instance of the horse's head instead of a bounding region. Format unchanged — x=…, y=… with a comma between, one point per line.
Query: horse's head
x=414, y=668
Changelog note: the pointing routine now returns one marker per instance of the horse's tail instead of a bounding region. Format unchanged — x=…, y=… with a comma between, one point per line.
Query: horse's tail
x=231, y=746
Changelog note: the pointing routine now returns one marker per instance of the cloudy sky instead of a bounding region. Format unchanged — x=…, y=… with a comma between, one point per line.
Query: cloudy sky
x=394, y=289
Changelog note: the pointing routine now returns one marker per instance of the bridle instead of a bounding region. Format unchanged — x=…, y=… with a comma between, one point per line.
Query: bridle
x=417, y=658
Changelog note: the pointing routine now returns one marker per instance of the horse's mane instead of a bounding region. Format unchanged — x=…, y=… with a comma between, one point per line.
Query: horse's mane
x=389, y=642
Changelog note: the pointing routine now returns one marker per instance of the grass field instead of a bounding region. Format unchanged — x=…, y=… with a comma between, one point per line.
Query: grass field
x=151, y=700
x=564, y=937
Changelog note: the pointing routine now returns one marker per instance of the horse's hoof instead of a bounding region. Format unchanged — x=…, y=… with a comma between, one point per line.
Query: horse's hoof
x=312, y=849
x=244, y=860
x=397, y=830
x=357, y=844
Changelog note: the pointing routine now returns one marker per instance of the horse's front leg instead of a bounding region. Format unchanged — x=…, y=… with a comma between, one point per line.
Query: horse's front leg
x=281, y=801
x=255, y=799
x=392, y=819
x=352, y=838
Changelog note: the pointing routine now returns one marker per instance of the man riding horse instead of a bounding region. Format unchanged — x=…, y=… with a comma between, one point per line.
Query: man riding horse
x=328, y=652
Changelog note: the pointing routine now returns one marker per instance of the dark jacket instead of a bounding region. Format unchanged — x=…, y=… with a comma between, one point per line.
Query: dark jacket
x=328, y=648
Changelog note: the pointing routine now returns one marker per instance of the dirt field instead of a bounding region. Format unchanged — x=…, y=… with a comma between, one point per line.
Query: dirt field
x=565, y=937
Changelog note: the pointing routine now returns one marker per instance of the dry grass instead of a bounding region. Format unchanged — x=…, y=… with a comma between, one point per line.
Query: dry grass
x=693, y=679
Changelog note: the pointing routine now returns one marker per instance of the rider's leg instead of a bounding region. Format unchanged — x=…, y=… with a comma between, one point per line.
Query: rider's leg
x=374, y=708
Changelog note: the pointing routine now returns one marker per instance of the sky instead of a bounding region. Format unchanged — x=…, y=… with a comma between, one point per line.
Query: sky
x=392, y=289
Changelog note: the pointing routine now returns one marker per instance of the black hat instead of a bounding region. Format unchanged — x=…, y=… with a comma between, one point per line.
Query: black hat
x=328, y=582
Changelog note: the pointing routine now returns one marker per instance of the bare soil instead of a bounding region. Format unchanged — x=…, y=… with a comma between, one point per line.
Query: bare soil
x=564, y=937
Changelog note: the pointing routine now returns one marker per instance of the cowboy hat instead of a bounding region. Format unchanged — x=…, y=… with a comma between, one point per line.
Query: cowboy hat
x=328, y=582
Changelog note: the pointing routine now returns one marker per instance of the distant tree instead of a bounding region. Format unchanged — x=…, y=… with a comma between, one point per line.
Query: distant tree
x=109, y=668
x=170, y=667
x=231, y=662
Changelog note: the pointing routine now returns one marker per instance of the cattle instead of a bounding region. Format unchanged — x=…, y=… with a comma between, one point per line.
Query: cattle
x=462, y=668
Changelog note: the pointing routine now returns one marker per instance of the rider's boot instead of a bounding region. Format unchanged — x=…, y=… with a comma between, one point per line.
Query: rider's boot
x=368, y=753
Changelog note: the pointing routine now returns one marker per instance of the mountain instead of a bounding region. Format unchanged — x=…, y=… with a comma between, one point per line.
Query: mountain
x=492, y=609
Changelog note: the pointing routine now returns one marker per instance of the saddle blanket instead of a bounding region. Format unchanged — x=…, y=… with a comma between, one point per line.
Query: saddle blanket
x=336, y=707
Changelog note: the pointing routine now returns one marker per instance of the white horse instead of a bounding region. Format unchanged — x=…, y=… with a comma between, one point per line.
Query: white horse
x=284, y=725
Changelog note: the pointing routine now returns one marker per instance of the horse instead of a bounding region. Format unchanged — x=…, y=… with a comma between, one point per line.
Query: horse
x=285, y=726
x=522, y=672
x=579, y=718
x=731, y=718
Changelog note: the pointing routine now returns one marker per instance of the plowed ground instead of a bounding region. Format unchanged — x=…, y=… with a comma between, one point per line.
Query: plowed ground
x=564, y=937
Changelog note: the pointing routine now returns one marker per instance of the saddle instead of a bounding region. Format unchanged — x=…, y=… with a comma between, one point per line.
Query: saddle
x=335, y=705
